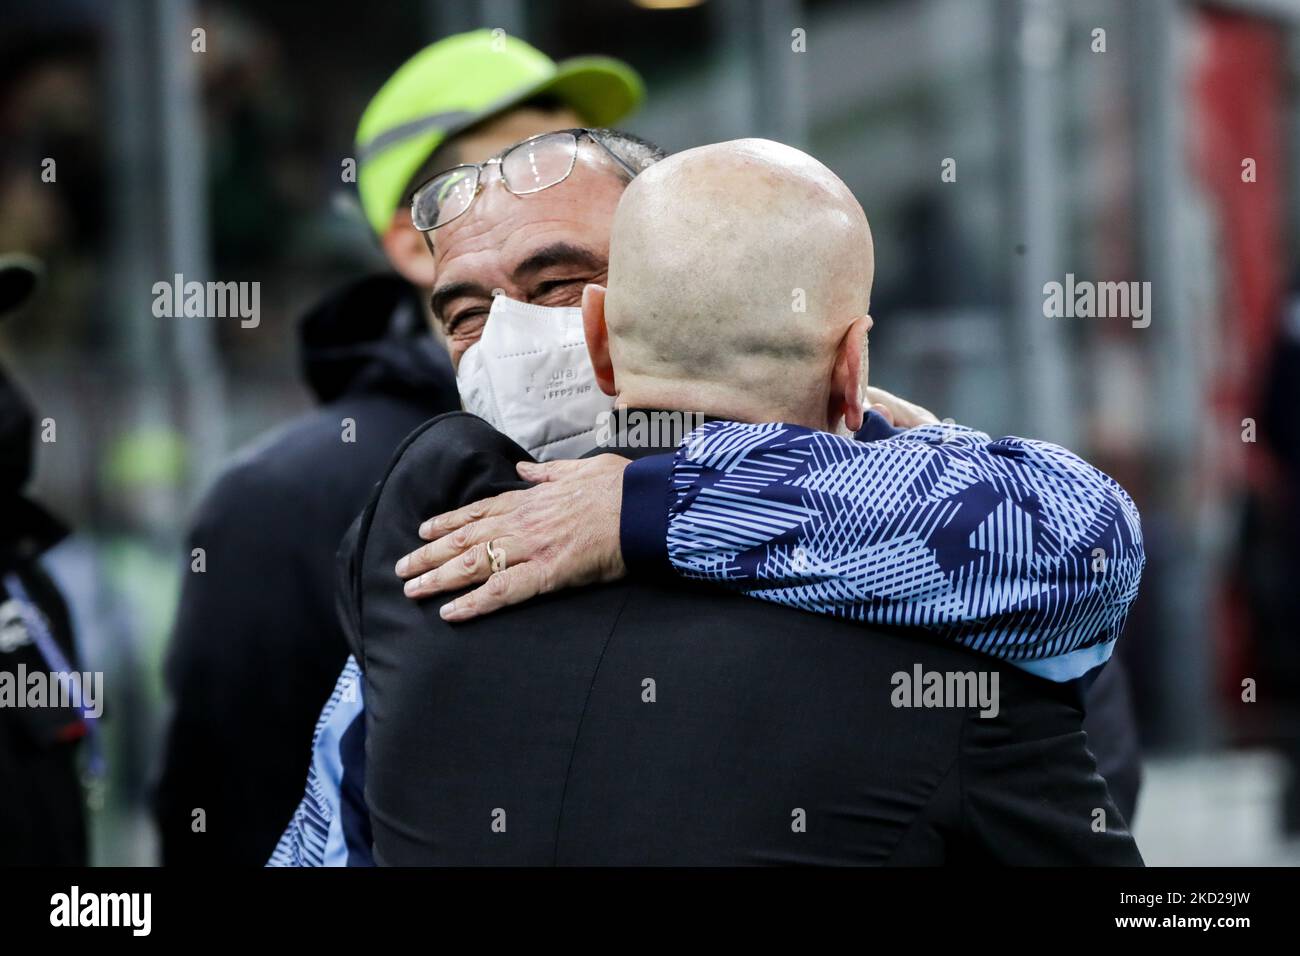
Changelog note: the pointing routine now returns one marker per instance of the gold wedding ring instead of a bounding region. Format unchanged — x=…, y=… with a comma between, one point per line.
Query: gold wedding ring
x=496, y=557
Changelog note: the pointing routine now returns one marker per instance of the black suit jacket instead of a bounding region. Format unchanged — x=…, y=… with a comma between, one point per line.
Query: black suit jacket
x=672, y=723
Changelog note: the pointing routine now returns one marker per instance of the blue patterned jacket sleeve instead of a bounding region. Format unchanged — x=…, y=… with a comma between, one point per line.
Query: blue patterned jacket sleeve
x=1016, y=548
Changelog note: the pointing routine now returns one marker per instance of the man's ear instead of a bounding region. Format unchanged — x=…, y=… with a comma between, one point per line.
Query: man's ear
x=593, y=327
x=406, y=249
x=849, y=377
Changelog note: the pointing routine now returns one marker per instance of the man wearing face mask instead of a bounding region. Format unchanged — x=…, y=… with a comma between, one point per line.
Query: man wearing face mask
x=41, y=817
x=513, y=241
x=256, y=645
x=525, y=368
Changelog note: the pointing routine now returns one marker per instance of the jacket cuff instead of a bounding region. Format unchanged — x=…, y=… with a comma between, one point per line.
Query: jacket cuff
x=643, y=525
x=876, y=427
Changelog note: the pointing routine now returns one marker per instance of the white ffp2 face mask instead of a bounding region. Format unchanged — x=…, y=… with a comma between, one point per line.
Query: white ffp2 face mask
x=530, y=378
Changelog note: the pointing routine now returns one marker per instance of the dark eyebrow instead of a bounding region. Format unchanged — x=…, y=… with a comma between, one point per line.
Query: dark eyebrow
x=557, y=254
x=449, y=293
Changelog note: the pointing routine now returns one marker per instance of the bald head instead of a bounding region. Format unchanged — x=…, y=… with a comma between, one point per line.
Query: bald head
x=736, y=271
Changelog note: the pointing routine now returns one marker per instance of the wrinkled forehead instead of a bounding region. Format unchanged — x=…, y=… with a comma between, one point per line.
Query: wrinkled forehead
x=580, y=208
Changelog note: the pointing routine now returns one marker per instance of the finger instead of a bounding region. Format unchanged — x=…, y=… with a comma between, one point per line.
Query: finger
x=516, y=583
x=449, y=521
x=884, y=411
x=548, y=470
x=440, y=551
x=926, y=417
x=472, y=567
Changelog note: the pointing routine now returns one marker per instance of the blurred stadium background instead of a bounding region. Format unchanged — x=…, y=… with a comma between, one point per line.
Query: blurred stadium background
x=1121, y=165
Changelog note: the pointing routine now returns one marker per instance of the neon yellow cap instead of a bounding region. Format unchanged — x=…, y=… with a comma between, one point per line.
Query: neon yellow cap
x=461, y=80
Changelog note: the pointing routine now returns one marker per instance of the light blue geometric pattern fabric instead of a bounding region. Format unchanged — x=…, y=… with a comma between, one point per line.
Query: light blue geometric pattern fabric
x=314, y=836
x=1016, y=548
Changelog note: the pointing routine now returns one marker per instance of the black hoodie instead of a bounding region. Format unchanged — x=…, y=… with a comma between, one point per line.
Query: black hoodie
x=26, y=529
x=41, y=820
x=256, y=647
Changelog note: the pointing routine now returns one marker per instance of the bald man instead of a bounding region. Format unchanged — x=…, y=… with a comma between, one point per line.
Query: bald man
x=734, y=232
x=661, y=722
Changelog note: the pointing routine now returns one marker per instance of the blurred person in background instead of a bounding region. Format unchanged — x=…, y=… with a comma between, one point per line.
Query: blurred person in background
x=42, y=819
x=1270, y=557
x=257, y=645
